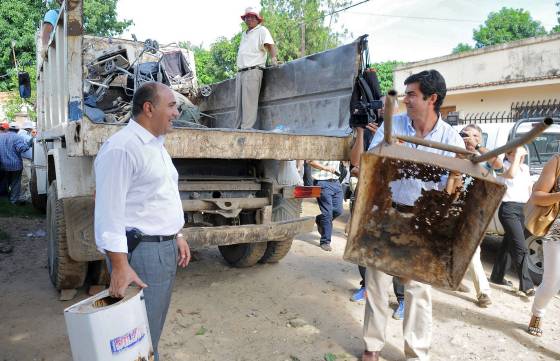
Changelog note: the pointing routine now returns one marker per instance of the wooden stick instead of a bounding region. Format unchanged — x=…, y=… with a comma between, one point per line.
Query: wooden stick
x=514, y=143
x=436, y=145
x=390, y=102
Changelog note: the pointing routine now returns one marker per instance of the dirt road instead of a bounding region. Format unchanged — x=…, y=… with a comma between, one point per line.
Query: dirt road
x=295, y=310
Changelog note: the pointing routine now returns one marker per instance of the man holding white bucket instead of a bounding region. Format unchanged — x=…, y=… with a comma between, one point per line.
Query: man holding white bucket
x=138, y=210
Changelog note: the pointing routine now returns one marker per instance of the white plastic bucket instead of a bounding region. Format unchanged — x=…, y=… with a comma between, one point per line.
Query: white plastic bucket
x=102, y=328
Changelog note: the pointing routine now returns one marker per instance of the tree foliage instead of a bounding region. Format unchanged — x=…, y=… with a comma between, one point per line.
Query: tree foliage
x=283, y=18
x=507, y=25
x=100, y=18
x=20, y=20
x=556, y=29
x=384, y=72
x=461, y=48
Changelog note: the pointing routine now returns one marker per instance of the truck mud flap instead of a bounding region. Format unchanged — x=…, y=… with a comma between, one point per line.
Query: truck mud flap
x=199, y=237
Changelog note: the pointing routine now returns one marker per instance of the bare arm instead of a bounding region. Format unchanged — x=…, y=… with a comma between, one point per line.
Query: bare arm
x=358, y=147
x=46, y=34
x=541, y=190
x=495, y=163
x=516, y=164
x=271, y=48
x=319, y=166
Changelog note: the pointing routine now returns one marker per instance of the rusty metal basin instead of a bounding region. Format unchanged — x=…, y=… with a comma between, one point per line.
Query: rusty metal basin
x=433, y=240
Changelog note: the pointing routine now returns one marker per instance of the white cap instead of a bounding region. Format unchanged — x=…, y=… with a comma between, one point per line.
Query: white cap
x=28, y=124
x=14, y=125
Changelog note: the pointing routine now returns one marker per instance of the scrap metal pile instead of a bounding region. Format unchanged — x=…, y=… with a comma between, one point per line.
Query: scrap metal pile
x=113, y=73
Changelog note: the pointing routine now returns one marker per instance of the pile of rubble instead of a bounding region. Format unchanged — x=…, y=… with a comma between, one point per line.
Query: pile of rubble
x=112, y=76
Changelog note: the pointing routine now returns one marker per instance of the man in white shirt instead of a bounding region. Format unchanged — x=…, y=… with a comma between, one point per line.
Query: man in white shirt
x=138, y=210
x=424, y=95
x=256, y=41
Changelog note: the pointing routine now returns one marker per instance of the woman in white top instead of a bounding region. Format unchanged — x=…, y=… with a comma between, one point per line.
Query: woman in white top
x=517, y=179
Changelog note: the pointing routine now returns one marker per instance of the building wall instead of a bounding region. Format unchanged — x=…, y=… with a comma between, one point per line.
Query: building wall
x=532, y=59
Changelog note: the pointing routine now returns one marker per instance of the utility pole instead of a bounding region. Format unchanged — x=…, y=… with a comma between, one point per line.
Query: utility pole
x=302, y=43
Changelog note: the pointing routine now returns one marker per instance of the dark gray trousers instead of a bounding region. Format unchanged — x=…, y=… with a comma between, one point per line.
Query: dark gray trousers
x=156, y=265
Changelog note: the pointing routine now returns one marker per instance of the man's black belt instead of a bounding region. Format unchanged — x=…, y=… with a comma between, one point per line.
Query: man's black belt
x=134, y=237
x=250, y=68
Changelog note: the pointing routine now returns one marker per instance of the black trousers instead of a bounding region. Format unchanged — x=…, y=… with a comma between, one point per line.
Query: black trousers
x=514, y=249
x=398, y=287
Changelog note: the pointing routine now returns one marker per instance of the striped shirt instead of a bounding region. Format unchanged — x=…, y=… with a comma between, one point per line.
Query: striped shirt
x=11, y=148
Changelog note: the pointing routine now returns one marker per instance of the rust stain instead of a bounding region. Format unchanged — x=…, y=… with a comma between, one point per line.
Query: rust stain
x=75, y=28
x=431, y=241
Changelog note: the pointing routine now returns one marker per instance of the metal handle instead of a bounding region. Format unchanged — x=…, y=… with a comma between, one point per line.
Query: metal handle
x=514, y=143
x=436, y=145
x=390, y=101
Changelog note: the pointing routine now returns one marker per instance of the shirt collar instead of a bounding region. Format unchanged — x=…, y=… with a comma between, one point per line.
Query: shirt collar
x=142, y=133
x=256, y=27
x=437, y=126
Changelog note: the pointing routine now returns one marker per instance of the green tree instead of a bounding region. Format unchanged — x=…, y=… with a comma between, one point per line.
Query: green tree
x=100, y=18
x=384, y=72
x=556, y=29
x=507, y=25
x=461, y=48
x=20, y=20
x=284, y=18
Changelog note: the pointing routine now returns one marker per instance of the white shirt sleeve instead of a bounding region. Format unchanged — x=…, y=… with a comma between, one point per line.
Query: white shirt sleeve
x=113, y=175
x=266, y=38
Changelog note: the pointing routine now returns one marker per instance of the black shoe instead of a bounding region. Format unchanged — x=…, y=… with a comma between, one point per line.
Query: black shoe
x=326, y=247
x=503, y=282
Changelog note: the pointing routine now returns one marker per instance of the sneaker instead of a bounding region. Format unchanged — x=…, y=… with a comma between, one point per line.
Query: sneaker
x=529, y=293
x=399, y=311
x=359, y=295
x=483, y=300
x=326, y=247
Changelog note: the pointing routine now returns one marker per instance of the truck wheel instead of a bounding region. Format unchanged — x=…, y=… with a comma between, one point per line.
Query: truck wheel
x=243, y=254
x=284, y=209
x=64, y=272
x=39, y=201
x=535, y=260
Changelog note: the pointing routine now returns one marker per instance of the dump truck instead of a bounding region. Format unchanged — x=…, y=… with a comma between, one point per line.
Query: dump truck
x=237, y=186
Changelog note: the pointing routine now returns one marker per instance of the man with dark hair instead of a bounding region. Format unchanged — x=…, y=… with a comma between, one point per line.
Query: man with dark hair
x=424, y=95
x=138, y=210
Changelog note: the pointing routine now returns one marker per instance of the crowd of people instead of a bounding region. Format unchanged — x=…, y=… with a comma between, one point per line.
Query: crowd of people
x=15, y=160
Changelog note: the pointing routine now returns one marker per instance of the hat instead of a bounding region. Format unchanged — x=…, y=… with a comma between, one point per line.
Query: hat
x=252, y=11
x=28, y=125
x=4, y=125
x=14, y=125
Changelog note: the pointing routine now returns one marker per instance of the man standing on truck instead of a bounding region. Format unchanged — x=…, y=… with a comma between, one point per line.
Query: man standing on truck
x=256, y=41
x=138, y=210
x=424, y=95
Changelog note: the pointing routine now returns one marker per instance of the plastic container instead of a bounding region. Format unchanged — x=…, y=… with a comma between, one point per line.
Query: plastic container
x=103, y=328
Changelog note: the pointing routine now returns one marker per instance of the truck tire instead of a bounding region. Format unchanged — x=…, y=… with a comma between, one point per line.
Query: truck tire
x=535, y=260
x=284, y=210
x=64, y=272
x=243, y=254
x=39, y=201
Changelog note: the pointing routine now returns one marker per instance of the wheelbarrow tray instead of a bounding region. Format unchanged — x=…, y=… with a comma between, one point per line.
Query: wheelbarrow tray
x=433, y=241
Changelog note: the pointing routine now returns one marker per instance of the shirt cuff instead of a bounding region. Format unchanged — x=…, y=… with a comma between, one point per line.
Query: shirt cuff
x=112, y=242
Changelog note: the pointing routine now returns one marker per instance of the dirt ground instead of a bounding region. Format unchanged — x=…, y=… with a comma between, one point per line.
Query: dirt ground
x=298, y=309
